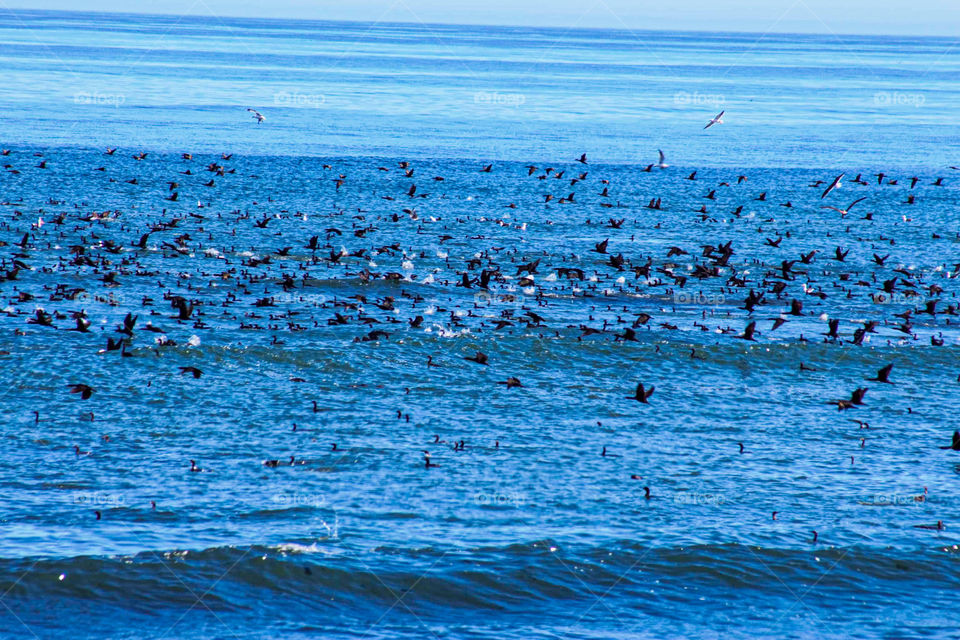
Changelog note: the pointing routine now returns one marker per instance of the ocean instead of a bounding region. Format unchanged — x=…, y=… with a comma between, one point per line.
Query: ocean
x=319, y=284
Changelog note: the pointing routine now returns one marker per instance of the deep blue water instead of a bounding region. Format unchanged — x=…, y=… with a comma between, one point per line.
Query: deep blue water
x=528, y=531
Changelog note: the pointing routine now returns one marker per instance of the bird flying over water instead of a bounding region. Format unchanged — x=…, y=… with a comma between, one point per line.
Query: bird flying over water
x=836, y=184
x=955, y=445
x=717, y=119
x=256, y=114
x=843, y=212
x=642, y=394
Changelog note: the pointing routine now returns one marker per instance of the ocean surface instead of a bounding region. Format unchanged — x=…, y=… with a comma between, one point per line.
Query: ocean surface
x=309, y=287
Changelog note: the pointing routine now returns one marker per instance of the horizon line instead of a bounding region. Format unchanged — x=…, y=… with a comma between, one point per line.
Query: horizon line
x=622, y=29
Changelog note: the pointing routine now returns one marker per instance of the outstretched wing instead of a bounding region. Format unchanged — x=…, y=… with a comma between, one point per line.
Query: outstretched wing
x=855, y=202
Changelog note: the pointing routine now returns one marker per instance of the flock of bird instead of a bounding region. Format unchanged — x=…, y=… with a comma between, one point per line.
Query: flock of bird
x=615, y=280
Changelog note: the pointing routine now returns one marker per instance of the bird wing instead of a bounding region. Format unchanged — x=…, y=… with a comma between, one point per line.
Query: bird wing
x=833, y=185
x=856, y=201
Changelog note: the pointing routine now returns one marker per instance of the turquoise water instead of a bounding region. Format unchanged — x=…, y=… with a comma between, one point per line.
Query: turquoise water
x=528, y=530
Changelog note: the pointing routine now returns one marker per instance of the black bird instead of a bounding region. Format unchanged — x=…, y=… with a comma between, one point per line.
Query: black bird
x=129, y=322
x=882, y=375
x=480, y=358
x=642, y=395
x=834, y=325
x=955, y=445
x=85, y=391
x=184, y=308
x=748, y=332
x=856, y=398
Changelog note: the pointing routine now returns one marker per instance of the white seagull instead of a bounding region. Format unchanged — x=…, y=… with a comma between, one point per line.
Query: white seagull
x=844, y=212
x=257, y=115
x=836, y=184
x=662, y=164
x=718, y=119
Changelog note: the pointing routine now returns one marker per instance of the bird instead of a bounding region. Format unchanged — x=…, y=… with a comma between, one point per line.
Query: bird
x=836, y=184
x=955, y=445
x=511, y=382
x=844, y=212
x=85, y=391
x=717, y=119
x=748, y=332
x=856, y=398
x=662, y=162
x=480, y=358
x=196, y=373
x=257, y=115
x=883, y=375
x=641, y=394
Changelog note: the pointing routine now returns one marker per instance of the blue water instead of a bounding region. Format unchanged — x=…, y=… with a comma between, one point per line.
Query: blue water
x=528, y=531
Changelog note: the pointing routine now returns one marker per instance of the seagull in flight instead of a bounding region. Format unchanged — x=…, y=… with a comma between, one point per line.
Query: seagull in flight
x=662, y=164
x=718, y=119
x=844, y=212
x=257, y=115
x=836, y=184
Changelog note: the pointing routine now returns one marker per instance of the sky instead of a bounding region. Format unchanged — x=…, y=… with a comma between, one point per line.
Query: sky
x=894, y=17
